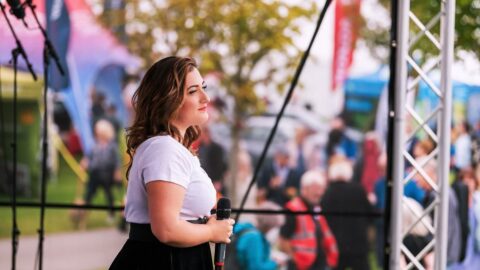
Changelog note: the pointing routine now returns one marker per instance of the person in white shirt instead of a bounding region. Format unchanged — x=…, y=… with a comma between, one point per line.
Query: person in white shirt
x=169, y=196
x=463, y=146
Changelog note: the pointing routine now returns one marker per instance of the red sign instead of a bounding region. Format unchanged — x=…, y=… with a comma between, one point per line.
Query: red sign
x=347, y=14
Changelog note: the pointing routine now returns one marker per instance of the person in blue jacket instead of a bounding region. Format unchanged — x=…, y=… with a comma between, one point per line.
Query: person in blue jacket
x=253, y=249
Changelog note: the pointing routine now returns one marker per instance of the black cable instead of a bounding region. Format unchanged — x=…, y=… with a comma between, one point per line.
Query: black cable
x=64, y=206
x=353, y=214
x=390, y=136
x=285, y=103
x=374, y=214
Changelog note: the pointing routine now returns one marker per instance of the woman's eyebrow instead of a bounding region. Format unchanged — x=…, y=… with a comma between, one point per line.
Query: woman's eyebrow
x=195, y=85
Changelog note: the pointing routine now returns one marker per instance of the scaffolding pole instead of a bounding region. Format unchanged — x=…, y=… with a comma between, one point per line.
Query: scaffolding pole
x=404, y=40
x=447, y=39
x=400, y=41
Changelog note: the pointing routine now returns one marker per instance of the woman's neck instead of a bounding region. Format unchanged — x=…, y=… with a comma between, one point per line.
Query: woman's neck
x=182, y=133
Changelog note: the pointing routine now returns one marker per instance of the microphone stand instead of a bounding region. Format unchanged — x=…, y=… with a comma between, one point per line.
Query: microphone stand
x=48, y=51
x=15, y=52
x=19, y=49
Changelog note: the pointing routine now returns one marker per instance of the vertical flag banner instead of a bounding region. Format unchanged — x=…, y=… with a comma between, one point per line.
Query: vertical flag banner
x=347, y=14
x=58, y=29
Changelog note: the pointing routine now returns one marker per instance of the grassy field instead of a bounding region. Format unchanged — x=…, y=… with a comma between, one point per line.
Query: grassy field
x=64, y=189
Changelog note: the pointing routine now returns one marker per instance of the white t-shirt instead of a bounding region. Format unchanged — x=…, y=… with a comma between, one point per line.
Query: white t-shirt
x=162, y=158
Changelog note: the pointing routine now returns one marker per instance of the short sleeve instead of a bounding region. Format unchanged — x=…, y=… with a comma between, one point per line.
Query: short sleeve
x=163, y=160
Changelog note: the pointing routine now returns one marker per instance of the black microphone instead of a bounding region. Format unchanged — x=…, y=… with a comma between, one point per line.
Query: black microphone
x=223, y=212
x=16, y=8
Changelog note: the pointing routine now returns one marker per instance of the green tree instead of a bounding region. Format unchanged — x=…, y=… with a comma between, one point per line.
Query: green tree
x=246, y=42
x=467, y=28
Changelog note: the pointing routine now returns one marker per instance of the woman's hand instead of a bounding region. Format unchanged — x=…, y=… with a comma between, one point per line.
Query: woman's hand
x=220, y=230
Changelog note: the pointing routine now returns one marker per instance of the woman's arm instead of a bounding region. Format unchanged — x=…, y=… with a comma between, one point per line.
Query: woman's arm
x=165, y=200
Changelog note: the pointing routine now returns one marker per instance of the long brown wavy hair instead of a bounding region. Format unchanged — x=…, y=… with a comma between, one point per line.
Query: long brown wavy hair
x=156, y=103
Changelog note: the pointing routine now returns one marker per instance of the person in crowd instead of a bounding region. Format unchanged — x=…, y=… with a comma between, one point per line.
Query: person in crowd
x=370, y=168
x=130, y=86
x=112, y=116
x=72, y=142
x=463, y=146
x=169, y=195
x=213, y=159
x=413, y=140
x=380, y=190
x=454, y=223
x=422, y=148
x=476, y=144
x=299, y=150
x=411, y=190
x=344, y=195
x=102, y=164
x=278, y=181
x=308, y=239
x=417, y=236
x=461, y=189
x=243, y=178
x=339, y=143
x=472, y=251
x=252, y=247
x=97, y=110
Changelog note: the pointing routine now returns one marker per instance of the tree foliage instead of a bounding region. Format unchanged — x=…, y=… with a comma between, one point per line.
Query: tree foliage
x=467, y=28
x=248, y=43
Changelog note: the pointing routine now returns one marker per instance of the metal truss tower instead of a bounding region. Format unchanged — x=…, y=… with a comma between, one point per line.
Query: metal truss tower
x=410, y=30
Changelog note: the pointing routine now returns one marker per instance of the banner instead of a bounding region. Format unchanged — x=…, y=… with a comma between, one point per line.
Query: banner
x=58, y=29
x=347, y=14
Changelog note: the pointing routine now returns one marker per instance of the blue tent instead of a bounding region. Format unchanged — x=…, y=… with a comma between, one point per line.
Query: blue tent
x=362, y=97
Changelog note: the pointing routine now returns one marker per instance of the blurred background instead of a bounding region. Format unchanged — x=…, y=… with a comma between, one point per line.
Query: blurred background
x=248, y=52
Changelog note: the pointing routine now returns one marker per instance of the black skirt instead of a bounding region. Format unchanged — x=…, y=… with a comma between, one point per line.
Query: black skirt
x=142, y=252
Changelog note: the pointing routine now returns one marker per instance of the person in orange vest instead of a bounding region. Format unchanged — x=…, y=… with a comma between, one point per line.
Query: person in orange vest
x=308, y=239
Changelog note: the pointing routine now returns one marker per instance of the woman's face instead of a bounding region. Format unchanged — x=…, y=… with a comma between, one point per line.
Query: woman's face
x=193, y=110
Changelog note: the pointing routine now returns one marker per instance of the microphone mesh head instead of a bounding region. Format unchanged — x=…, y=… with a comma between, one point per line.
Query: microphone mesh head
x=223, y=203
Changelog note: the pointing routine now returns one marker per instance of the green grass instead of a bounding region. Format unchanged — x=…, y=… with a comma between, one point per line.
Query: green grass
x=63, y=189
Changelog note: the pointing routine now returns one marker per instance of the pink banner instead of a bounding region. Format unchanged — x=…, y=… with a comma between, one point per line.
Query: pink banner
x=89, y=49
x=347, y=14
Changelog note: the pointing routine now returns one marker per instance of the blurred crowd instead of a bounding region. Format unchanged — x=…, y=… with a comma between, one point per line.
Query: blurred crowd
x=348, y=176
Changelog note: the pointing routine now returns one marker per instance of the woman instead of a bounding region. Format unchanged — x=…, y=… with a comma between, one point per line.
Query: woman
x=169, y=196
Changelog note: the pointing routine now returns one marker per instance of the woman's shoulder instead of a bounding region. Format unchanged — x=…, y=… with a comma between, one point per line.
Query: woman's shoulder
x=166, y=142
x=163, y=145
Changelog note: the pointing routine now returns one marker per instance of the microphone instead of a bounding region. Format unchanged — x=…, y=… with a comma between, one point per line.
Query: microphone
x=16, y=8
x=223, y=212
